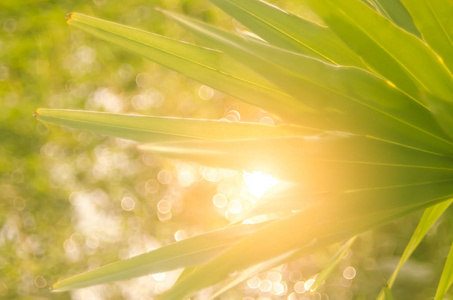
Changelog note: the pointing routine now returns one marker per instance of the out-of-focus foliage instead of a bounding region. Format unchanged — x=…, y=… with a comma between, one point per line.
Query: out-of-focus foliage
x=72, y=200
x=62, y=191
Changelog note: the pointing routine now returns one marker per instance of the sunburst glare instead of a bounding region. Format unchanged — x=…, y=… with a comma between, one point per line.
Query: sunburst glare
x=259, y=183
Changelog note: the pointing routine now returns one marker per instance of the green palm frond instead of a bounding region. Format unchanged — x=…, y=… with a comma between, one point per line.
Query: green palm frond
x=366, y=100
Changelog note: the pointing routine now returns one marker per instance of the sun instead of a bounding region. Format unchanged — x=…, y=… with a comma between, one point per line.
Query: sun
x=258, y=183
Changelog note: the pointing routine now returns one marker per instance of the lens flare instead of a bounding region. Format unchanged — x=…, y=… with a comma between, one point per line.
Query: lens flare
x=258, y=183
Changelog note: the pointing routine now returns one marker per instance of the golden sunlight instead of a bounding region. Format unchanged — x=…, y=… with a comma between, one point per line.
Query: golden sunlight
x=258, y=183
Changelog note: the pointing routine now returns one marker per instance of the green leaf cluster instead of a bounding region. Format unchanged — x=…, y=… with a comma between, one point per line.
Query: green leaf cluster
x=365, y=106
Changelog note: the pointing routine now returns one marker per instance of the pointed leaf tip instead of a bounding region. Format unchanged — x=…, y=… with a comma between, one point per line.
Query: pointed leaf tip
x=69, y=17
x=52, y=288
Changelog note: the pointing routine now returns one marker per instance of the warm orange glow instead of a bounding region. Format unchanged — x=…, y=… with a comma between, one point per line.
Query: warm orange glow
x=258, y=183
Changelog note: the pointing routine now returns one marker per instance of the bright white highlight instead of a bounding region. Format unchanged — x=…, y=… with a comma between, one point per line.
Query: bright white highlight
x=349, y=273
x=258, y=183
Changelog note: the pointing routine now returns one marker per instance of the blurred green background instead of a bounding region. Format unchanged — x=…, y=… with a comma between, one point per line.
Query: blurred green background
x=71, y=201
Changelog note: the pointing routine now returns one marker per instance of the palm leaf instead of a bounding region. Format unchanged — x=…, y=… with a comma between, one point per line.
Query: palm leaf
x=329, y=162
x=368, y=29
x=430, y=216
x=189, y=252
x=349, y=96
x=446, y=279
x=378, y=96
x=290, y=32
x=396, y=12
x=326, y=219
x=391, y=51
x=205, y=65
x=433, y=18
x=335, y=260
x=159, y=129
x=244, y=275
x=388, y=293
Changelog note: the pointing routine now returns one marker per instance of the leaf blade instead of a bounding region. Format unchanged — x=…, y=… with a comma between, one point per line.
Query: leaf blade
x=288, y=31
x=387, y=48
x=396, y=12
x=446, y=279
x=152, y=129
x=334, y=261
x=329, y=162
x=205, y=65
x=433, y=20
x=347, y=95
x=430, y=216
x=340, y=221
x=185, y=253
